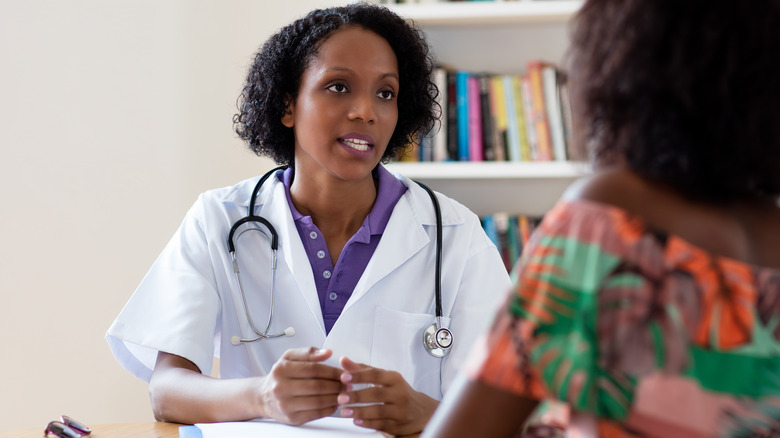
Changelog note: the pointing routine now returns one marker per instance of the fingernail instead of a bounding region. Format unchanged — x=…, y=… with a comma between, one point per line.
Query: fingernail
x=358, y=421
x=343, y=399
x=346, y=412
x=346, y=377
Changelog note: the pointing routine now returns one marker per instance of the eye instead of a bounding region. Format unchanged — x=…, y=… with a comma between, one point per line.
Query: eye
x=338, y=87
x=386, y=94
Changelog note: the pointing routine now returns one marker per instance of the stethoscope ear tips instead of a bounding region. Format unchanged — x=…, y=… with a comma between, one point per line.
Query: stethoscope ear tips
x=289, y=331
x=235, y=340
x=437, y=341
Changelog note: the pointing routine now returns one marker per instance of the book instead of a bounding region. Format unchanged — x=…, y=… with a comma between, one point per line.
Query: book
x=489, y=151
x=498, y=109
x=530, y=128
x=525, y=149
x=461, y=92
x=572, y=153
x=475, y=152
x=439, y=140
x=452, y=117
x=501, y=222
x=512, y=130
x=539, y=111
x=513, y=241
x=552, y=101
x=490, y=229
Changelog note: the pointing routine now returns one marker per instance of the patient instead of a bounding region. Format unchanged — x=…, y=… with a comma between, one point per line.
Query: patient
x=648, y=302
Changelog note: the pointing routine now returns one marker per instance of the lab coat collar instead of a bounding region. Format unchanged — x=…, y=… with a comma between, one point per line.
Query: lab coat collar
x=407, y=228
x=407, y=234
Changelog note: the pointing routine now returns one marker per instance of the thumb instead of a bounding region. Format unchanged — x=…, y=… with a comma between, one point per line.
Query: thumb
x=311, y=354
x=349, y=365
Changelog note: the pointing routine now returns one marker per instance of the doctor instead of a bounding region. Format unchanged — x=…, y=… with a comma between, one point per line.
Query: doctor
x=331, y=96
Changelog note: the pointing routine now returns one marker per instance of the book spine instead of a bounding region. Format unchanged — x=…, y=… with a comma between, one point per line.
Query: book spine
x=499, y=112
x=475, y=120
x=513, y=133
x=488, y=120
x=452, y=116
x=530, y=128
x=539, y=111
x=440, y=130
x=565, y=94
x=553, y=104
x=522, y=131
x=461, y=89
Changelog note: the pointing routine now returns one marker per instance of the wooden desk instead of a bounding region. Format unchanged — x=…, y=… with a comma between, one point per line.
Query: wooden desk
x=120, y=430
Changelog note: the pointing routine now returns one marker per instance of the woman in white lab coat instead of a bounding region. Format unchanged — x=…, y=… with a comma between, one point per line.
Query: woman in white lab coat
x=331, y=96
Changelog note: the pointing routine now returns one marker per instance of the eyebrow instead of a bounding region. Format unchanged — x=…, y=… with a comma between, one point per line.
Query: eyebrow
x=349, y=70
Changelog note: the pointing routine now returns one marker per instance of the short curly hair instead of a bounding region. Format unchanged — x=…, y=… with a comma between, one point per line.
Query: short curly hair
x=684, y=93
x=279, y=65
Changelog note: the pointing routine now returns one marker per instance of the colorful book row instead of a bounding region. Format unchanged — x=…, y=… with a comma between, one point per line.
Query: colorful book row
x=492, y=117
x=510, y=233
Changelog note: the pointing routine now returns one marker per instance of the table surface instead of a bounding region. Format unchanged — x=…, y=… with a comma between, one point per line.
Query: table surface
x=120, y=430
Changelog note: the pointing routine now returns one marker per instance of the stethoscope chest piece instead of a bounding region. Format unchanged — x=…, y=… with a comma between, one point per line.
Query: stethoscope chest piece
x=437, y=341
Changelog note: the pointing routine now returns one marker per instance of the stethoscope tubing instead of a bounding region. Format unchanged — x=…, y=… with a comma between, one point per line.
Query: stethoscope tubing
x=430, y=340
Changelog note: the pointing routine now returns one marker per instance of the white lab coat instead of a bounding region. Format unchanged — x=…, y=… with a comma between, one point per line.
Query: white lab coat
x=189, y=302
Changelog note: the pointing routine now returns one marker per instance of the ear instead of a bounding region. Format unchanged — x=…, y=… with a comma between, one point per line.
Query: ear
x=287, y=117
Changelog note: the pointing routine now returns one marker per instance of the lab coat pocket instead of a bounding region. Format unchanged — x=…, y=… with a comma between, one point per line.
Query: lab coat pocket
x=398, y=345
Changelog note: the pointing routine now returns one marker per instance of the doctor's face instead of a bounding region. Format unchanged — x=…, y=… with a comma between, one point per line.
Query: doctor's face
x=347, y=106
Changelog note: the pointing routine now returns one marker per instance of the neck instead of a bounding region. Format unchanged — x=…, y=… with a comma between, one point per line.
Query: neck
x=335, y=206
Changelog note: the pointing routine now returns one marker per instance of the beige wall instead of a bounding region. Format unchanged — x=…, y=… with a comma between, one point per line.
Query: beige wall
x=114, y=115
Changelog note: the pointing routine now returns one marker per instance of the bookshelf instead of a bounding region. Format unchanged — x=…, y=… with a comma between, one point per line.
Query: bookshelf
x=496, y=37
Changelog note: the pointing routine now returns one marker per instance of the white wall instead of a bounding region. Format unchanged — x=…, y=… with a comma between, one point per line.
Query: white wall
x=114, y=115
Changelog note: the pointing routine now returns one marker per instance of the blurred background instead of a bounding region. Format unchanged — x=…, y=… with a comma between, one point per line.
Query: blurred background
x=114, y=116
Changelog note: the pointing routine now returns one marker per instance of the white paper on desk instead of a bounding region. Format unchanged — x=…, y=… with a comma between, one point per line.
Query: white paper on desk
x=328, y=427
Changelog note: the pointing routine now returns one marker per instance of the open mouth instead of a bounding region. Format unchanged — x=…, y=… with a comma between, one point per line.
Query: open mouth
x=357, y=144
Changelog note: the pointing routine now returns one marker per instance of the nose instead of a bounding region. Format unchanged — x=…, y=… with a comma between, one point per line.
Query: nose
x=362, y=108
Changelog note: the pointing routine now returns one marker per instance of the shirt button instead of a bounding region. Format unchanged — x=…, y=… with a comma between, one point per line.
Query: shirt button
x=321, y=254
x=313, y=235
x=326, y=274
x=333, y=296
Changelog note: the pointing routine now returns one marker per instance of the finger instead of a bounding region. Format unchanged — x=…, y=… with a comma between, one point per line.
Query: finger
x=370, y=412
x=350, y=365
x=376, y=376
x=305, y=416
x=373, y=395
x=309, y=403
x=310, y=354
x=290, y=369
x=383, y=424
x=307, y=387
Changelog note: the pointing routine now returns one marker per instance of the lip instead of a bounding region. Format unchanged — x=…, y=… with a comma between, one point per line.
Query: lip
x=346, y=141
x=358, y=136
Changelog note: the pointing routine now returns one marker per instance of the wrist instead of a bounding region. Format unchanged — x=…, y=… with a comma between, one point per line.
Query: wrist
x=257, y=397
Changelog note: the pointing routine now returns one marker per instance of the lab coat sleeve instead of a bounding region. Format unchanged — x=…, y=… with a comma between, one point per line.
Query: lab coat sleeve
x=484, y=284
x=176, y=307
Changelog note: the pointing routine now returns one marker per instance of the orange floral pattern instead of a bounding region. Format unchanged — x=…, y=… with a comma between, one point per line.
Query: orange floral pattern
x=606, y=312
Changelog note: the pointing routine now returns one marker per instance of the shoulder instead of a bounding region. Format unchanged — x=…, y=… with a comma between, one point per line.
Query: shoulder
x=618, y=187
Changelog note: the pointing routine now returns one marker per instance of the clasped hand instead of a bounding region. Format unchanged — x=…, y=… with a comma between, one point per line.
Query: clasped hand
x=301, y=388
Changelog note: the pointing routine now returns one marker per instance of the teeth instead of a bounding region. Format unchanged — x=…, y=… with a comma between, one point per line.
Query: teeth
x=355, y=143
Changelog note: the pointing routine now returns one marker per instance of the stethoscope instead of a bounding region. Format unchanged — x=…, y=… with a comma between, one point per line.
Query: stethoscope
x=436, y=339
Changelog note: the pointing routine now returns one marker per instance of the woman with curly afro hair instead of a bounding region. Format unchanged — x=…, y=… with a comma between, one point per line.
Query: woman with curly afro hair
x=340, y=320
x=647, y=303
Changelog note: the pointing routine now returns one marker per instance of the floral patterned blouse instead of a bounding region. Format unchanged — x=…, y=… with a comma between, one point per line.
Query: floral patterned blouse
x=617, y=328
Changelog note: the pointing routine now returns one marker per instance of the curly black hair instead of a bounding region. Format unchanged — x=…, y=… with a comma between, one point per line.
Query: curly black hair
x=275, y=75
x=682, y=92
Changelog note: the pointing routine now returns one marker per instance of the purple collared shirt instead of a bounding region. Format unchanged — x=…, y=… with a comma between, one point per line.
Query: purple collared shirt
x=335, y=284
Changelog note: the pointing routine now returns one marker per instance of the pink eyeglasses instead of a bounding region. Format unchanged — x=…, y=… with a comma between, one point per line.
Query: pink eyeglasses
x=66, y=428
